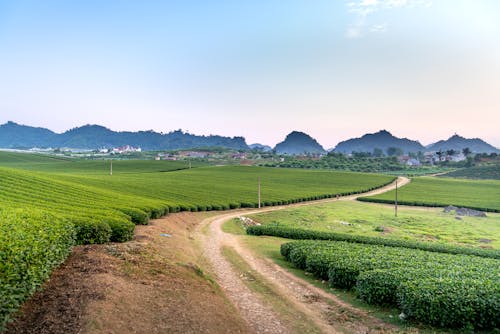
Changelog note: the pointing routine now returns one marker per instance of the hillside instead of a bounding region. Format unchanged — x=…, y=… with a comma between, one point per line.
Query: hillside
x=13, y=135
x=380, y=140
x=297, y=143
x=458, y=143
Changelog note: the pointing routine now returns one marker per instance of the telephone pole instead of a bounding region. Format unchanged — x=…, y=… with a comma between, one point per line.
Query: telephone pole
x=259, y=192
x=396, y=201
x=111, y=167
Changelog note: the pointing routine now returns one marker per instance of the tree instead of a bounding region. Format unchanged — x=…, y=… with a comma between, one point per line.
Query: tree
x=377, y=152
x=451, y=152
x=394, y=151
x=466, y=151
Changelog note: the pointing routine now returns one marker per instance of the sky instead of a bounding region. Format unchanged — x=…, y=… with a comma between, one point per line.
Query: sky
x=422, y=69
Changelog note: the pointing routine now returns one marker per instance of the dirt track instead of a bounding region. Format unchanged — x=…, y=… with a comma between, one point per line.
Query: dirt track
x=328, y=313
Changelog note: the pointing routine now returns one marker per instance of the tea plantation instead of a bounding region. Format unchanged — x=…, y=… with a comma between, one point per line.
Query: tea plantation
x=47, y=205
x=428, y=191
x=453, y=291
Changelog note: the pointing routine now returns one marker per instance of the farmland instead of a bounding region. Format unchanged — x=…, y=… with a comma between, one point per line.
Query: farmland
x=445, y=290
x=79, y=202
x=428, y=191
x=488, y=171
x=372, y=220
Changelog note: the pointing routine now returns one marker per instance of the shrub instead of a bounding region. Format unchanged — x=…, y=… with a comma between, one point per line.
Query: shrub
x=89, y=231
x=301, y=234
x=137, y=216
x=32, y=243
x=121, y=231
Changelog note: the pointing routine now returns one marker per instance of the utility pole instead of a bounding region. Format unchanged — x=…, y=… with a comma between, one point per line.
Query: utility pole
x=259, y=192
x=111, y=167
x=189, y=163
x=396, y=201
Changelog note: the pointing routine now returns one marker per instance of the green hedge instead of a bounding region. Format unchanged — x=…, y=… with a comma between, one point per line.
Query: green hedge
x=91, y=232
x=446, y=290
x=32, y=243
x=138, y=216
x=425, y=204
x=303, y=234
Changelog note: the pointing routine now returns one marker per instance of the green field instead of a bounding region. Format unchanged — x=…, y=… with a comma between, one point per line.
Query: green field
x=59, y=202
x=491, y=172
x=65, y=165
x=430, y=191
x=375, y=220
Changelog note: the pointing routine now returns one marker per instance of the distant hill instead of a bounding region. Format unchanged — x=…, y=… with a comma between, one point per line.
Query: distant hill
x=381, y=140
x=458, y=143
x=299, y=143
x=260, y=147
x=13, y=135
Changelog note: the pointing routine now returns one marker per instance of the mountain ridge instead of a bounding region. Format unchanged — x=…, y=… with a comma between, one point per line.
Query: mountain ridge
x=297, y=142
x=458, y=143
x=13, y=135
x=92, y=136
x=382, y=140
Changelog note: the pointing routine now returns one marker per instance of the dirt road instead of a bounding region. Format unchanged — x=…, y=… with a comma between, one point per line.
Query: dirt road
x=328, y=313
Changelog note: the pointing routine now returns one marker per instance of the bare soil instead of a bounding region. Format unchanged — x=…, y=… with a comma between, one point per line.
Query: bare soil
x=153, y=284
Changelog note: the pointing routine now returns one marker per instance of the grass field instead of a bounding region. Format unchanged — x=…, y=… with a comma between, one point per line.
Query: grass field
x=368, y=219
x=430, y=191
x=491, y=172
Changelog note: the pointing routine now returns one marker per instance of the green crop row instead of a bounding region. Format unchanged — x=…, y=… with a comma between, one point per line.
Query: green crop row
x=424, y=204
x=446, y=290
x=439, y=192
x=32, y=243
x=303, y=234
x=105, y=208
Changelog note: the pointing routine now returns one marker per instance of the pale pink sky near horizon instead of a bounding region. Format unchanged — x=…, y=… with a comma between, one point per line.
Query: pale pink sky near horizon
x=421, y=69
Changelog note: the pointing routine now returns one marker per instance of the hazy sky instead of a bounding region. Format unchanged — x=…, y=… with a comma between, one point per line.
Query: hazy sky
x=258, y=68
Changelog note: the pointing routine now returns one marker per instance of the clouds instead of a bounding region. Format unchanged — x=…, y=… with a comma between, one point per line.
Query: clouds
x=363, y=10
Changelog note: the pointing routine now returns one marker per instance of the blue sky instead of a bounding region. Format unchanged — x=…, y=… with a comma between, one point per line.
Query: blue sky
x=262, y=68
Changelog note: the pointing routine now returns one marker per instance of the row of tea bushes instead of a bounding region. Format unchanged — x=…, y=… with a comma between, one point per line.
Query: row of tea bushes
x=32, y=243
x=440, y=289
x=306, y=234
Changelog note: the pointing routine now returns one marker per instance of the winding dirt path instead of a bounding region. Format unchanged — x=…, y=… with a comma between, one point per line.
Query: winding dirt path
x=329, y=314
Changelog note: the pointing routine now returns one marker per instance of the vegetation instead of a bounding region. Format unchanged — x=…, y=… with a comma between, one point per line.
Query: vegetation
x=294, y=233
x=49, y=204
x=430, y=225
x=459, y=291
x=434, y=192
x=358, y=162
x=32, y=242
x=490, y=171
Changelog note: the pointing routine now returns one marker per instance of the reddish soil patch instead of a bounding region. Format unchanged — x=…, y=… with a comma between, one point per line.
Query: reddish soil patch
x=58, y=308
x=152, y=284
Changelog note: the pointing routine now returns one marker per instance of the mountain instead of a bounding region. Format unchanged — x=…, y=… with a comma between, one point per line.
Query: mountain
x=13, y=135
x=380, y=140
x=298, y=143
x=458, y=143
x=260, y=147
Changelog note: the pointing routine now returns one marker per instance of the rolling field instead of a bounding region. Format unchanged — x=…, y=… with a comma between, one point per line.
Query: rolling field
x=491, y=172
x=373, y=220
x=60, y=203
x=428, y=191
x=65, y=165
